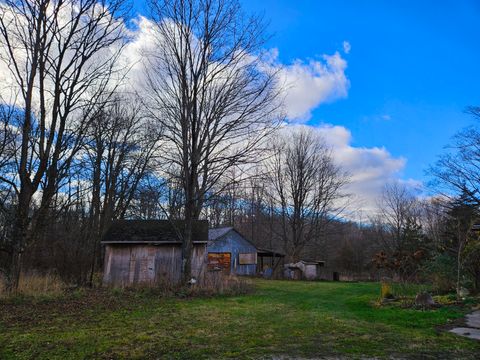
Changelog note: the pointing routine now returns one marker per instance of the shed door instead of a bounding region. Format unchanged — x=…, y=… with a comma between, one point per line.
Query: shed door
x=219, y=261
x=142, y=265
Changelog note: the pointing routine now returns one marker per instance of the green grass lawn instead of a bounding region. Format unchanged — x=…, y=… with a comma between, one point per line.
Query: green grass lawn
x=282, y=318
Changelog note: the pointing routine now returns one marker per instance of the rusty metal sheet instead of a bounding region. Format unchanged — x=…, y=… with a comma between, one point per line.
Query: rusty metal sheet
x=219, y=261
x=247, y=258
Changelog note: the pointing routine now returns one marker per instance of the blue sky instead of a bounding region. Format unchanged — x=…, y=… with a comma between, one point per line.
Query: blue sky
x=412, y=68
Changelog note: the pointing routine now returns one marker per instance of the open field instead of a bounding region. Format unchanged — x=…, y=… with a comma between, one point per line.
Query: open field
x=305, y=319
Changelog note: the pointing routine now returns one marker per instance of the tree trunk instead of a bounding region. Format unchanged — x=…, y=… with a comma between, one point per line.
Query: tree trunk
x=20, y=240
x=187, y=249
x=459, y=264
x=13, y=274
x=477, y=281
x=94, y=233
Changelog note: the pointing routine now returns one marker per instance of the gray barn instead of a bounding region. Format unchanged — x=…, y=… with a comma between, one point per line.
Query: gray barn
x=150, y=252
x=230, y=252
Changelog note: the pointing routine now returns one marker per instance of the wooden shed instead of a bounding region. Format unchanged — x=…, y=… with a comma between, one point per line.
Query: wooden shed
x=230, y=252
x=150, y=252
x=308, y=270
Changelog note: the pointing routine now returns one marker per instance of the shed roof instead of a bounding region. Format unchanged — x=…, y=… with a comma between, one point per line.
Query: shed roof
x=310, y=262
x=305, y=262
x=217, y=233
x=269, y=252
x=214, y=234
x=153, y=231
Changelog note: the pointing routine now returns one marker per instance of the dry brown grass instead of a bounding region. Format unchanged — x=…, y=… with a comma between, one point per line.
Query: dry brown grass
x=34, y=284
x=210, y=284
x=215, y=282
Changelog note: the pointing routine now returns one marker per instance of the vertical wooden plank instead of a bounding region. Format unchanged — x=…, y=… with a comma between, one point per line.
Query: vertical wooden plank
x=107, y=265
x=132, y=265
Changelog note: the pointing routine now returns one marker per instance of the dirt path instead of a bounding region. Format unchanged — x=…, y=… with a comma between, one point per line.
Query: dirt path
x=472, y=330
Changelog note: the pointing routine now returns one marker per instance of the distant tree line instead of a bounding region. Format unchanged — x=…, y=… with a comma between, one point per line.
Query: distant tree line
x=203, y=138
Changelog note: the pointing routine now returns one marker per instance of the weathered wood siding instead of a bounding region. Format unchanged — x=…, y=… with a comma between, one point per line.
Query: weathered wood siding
x=127, y=264
x=310, y=271
x=233, y=243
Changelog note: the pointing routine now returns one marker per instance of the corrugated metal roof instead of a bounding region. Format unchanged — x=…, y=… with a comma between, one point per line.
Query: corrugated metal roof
x=214, y=234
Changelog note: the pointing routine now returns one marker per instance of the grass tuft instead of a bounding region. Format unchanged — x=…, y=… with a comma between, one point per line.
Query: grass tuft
x=35, y=285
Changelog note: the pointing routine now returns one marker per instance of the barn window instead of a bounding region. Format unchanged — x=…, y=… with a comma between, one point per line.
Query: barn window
x=219, y=261
x=247, y=258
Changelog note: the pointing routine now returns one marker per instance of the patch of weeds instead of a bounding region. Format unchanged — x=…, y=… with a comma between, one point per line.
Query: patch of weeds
x=472, y=301
x=116, y=291
x=447, y=300
x=77, y=293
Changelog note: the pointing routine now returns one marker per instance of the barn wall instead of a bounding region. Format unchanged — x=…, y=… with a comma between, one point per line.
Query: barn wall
x=235, y=244
x=148, y=264
x=310, y=272
x=270, y=266
x=199, y=260
x=307, y=271
x=325, y=273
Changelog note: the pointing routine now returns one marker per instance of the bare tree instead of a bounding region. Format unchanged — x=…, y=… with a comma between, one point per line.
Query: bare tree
x=397, y=206
x=457, y=176
x=120, y=149
x=400, y=233
x=210, y=91
x=61, y=55
x=459, y=236
x=8, y=138
x=306, y=185
x=434, y=214
x=458, y=170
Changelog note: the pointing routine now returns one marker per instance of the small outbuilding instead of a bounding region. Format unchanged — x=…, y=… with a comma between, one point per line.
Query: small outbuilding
x=150, y=252
x=230, y=252
x=308, y=270
x=269, y=262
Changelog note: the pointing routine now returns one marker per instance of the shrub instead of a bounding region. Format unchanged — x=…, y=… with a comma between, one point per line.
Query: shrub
x=386, y=290
x=440, y=271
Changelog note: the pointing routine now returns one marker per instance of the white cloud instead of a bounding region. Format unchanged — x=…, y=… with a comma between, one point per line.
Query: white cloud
x=93, y=73
x=143, y=40
x=307, y=85
x=370, y=168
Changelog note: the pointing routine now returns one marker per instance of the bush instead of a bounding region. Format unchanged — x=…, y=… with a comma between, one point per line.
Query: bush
x=386, y=290
x=440, y=271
